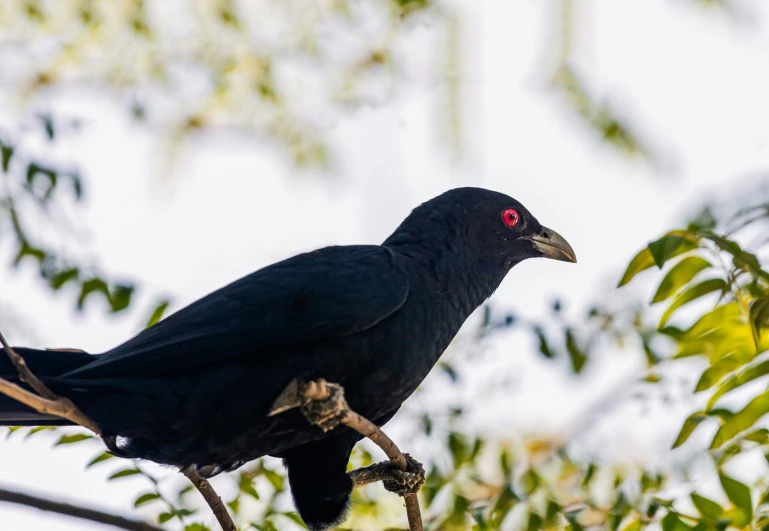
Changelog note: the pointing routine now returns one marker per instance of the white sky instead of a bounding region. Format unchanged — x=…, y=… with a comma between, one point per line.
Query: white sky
x=694, y=81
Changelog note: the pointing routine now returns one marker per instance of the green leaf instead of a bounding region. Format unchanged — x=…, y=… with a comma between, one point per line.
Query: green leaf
x=738, y=493
x=77, y=185
x=640, y=262
x=544, y=347
x=6, y=152
x=736, y=517
x=165, y=517
x=450, y=371
x=124, y=473
x=690, y=424
x=748, y=374
x=672, y=331
x=633, y=525
x=275, y=479
x=34, y=170
x=577, y=356
x=28, y=250
x=670, y=246
x=729, y=314
x=294, y=517
x=120, y=297
x=75, y=437
x=99, y=459
x=530, y=481
x=681, y=274
x=691, y=294
x=742, y=259
x=505, y=502
x=234, y=505
x=38, y=429
x=760, y=436
x=672, y=522
x=534, y=522
x=719, y=369
x=742, y=420
x=246, y=485
x=62, y=277
x=459, y=448
x=90, y=286
x=504, y=463
x=196, y=527
x=706, y=507
x=759, y=314
x=146, y=498
x=157, y=313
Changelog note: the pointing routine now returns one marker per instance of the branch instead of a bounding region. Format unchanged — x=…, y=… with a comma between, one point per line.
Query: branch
x=212, y=498
x=25, y=375
x=46, y=401
x=297, y=394
x=49, y=403
x=75, y=511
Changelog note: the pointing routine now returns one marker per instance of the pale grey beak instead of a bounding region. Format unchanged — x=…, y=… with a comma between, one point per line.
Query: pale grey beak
x=552, y=245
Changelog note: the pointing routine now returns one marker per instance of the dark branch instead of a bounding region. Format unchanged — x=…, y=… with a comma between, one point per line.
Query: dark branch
x=212, y=499
x=25, y=375
x=299, y=394
x=75, y=511
x=46, y=401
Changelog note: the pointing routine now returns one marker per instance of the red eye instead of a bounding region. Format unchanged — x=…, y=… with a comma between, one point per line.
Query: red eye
x=510, y=217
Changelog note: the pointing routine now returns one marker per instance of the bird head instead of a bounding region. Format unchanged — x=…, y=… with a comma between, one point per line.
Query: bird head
x=482, y=225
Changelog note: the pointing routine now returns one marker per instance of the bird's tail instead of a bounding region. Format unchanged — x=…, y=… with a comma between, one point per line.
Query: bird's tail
x=44, y=364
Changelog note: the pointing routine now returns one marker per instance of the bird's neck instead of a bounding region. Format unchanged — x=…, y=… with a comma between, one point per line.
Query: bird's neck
x=462, y=281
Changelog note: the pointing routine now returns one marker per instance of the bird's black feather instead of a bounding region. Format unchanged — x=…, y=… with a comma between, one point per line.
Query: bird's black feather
x=196, y=388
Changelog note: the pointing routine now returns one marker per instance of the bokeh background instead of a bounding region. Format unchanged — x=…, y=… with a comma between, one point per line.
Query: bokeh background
x=162, y=149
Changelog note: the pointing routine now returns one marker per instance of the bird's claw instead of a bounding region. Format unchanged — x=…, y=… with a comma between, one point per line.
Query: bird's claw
x=405, y=482
x=329, y=412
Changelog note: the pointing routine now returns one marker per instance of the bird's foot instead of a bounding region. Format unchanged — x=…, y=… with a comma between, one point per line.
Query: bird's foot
x=393, y=478
x=327, y=412
x=408, y=482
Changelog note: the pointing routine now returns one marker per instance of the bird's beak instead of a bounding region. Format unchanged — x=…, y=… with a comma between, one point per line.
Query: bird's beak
x=552, y=245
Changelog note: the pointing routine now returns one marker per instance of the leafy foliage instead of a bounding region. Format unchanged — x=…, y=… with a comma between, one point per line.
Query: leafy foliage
x=36, y=193
x=713, y=291
x=484, y=482
x=235, y=61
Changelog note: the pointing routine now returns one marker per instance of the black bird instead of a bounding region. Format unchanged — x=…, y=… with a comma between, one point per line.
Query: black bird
x=197, y=387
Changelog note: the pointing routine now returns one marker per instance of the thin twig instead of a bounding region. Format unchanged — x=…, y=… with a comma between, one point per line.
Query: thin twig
x=59, y=407
x=25, y=375
x=212, y=499
x=351, y=419
x=48, y=402
x=368, y=429
x=77, y=512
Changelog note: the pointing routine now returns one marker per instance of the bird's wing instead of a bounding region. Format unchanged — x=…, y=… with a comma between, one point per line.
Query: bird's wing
x=326, y=293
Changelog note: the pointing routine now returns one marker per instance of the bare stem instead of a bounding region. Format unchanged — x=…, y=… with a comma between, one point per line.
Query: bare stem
x=77, y=512
x=319, y=391
x=212, y=499
x=25, y=375
x=46, y=401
